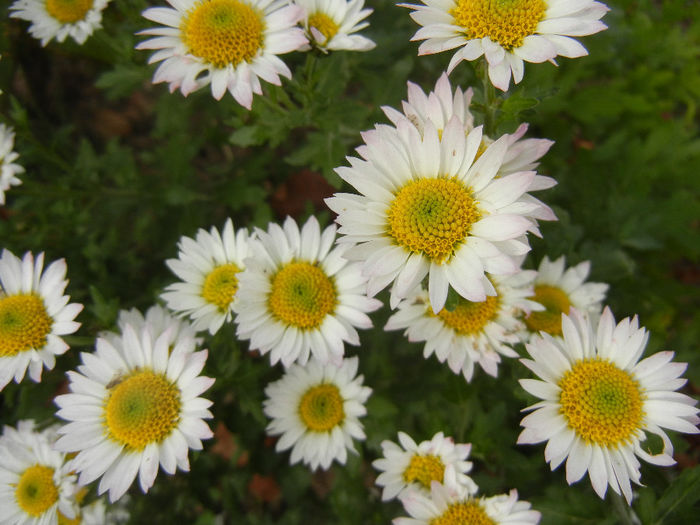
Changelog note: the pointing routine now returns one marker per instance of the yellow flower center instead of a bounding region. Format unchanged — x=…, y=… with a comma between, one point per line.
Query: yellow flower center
x=141, y=409
x=602, y=403
x=302, y=295
x=24, y=324
x=469, y=318
x=220, y=286
x=36, y=491
x=424, y=469
x=432, y=216
x=223, y=32
x=463, y=513
x=325, y=25
x=321, y=408
x=506, y=22
x=68, y=11
x=555, y=302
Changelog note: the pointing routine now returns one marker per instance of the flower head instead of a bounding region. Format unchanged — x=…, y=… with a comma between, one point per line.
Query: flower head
x=507, y=32
x=8, y=168
x=599, y=400
x=315, y=409
x=330, y=24
x=230, y=44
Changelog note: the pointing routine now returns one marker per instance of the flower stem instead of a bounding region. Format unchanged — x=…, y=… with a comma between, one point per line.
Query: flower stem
x=492, y=102
x=624, y=512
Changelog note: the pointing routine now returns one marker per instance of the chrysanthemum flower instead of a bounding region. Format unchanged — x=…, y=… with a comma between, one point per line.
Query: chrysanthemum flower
x=34, y=313
x=60, y=18
x=473, y=332
x=300, y=296
x=209, y=266
x=315, y=409
x=506, y=33
x=36, y=484
x=599, y=401
x=430, y=207
x=330, y=24
x=229, y=44
x=558, y=290
x=134, y=404
x=414, y=466
x=8, y=168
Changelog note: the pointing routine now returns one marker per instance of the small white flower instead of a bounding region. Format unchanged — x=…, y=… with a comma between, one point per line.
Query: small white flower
x=315, y=409
x=330, y=24
x=159, y=320
x=8, y=168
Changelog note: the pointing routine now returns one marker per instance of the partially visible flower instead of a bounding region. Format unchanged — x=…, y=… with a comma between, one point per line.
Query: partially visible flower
x=34, y=313
x=159, y=320
x=60, y=18
x=36, y=483
x=209, y=266
x=315, y=409
x=299, y=296
x=330, y=24
x=506, y=33
x=414, y=466
x=133, y=405
x=99, y=513
x=473, y=332
x=8, y=168
x=599, y=400
x=558, y=290
x=230, y=44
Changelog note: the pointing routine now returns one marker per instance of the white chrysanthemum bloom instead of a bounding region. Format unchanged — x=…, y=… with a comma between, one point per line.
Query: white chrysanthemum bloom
x=60, y=18
x=414, y=466
x=36, y=484
x=34, y=313
x=99, y=513
x=209, y=266
x=330, y=24
x=230, y=44
x=453, y=504
x=430, y=207
x=508, y=33
x=8, y=168
x=160, y=321
x=473, y=332
x=599, y=400
x=299, y=296
x=134, y=404
x=559, y=289
x=315, y=409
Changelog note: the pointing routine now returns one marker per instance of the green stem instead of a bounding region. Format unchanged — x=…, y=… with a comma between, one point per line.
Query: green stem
x=623, y=510
x=492, y=102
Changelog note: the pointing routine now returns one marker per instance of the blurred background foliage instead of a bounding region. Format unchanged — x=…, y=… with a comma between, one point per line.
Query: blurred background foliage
x=118, y=169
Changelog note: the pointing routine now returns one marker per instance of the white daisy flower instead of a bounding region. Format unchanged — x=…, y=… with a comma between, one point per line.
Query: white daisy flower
x=230, y=44
x=506, y=33
x=99, y=513
x=134, y=404
x=414, y=466
x=430, y=207
x=160, y=321
x=473, y=332
x=315, y=409
x=36, y=485
x=8, y=168
x=558, y=290
x=330, y=24
x=209, y=266
x=599, y=401
x=60, y=18
x=299, y=296
x=34, y=313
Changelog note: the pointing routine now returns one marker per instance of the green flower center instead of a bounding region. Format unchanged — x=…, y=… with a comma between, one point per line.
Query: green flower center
x=555, y=302
x=321, y=408
x=24, y=324
x=424, y=469
x=36, y=492
x=221, y=285
x=68, y=11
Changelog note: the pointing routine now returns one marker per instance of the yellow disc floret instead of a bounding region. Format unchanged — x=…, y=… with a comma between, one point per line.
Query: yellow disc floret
x=506, y=22
x=324, y=24
x=221, y=285
x=223, y=32
x=601, y=403
x=302, y=295
x=68, y=11
x=432, y=217
x=424, y=469
x=468, y=317
x=36, y=491
x=141, y=409
x=321, y=408
x=463, y=513
x=24, y=324
x=555, y=302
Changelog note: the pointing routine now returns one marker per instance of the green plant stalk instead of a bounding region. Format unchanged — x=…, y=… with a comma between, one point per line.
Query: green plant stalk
x=624, y=512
